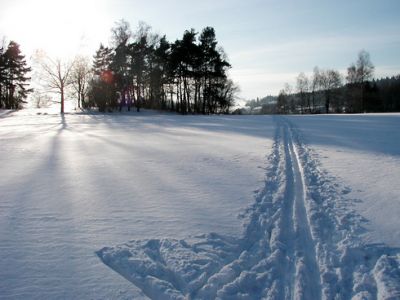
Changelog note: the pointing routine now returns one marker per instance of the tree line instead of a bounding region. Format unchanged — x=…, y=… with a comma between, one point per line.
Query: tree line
x=146, y=70
x=187, y=76
x=327, y=91
x=14, y=80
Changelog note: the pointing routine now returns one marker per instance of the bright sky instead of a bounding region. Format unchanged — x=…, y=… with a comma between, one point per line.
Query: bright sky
x=268, y=42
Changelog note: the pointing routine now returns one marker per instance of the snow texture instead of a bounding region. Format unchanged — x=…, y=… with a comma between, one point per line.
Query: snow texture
x=318, y=198
x=71, y=185
x=362, y=153
x=301, y=241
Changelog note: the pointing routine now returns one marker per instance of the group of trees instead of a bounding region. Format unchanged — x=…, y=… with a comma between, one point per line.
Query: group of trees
x=187, y=76
x=66, y=78
x=324, y=91
x=14, y=78
x=316, y=94
x=53, y=75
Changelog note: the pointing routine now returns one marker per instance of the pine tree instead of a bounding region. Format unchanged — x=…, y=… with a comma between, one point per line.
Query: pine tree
x=2, y=76
x=102, y=60
x=138, y=52
x=13, y=76
x=214, y=66
x=190, y=73
x=158, y=77
x=102, y=92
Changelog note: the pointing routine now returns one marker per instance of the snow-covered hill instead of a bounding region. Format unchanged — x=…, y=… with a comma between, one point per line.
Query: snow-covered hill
x=157, y=197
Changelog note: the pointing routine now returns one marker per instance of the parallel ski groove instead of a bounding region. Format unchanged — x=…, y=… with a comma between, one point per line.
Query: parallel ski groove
x=307, y=276
x=295, y=244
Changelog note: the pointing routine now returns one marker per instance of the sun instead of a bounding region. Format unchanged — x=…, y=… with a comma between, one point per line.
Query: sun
x=61, y=28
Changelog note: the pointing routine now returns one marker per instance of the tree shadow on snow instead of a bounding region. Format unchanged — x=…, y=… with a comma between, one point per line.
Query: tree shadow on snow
x=264, y=262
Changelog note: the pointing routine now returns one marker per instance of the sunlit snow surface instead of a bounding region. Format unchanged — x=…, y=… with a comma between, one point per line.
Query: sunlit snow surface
x=157, y=197
x=70, y=186
x=363, y=153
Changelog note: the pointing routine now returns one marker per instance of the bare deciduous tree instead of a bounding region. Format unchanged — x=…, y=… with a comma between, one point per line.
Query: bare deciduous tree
x=80, y=77
x=330, y=81
x=358, y=74
x=302, y=85
x=290, y=99
x=315, y=84
x=54, y=75
x=120, y=33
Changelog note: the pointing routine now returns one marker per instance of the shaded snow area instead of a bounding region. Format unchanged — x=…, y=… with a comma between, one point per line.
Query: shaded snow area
x=157, y=198
x=70, y=186
x=363, y=153
x=4, y=112
x=302, y=240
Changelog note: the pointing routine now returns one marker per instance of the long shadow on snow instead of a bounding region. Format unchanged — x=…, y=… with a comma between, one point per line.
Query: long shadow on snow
x=361, y=131
x=376, y=134
x=245, y=125
x=32, y=227
x=256, y=265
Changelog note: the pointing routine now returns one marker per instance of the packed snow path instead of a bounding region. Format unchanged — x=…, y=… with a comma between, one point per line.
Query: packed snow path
x=71, y=185
x=301, y=241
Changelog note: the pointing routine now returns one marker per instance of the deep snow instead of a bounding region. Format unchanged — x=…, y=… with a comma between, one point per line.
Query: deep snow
x=313, y=212
x=302, y=240
x=363, y=153
x=70, y=186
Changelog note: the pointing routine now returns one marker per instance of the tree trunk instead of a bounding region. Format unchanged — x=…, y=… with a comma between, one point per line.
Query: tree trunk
x=62, y=99
x=196, y=110
x=362, y=97
x=313, y=102
x=204, y=97
x=79, y=93
x=327, y=102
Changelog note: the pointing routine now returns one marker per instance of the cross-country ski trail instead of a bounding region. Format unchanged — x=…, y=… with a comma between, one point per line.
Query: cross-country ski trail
x=301, y=240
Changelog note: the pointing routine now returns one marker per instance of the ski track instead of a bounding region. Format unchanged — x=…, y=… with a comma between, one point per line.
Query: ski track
x=301, y=240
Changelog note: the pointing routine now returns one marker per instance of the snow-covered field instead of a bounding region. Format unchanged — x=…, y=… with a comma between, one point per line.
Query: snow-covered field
x=242, y=207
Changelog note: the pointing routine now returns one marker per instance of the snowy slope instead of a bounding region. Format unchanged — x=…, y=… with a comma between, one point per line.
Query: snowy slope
x=70, y=186
x=363, y=153
x=302, y=240
x=156, y=197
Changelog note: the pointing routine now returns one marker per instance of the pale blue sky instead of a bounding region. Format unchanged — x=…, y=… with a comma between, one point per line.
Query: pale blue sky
x=268, y=42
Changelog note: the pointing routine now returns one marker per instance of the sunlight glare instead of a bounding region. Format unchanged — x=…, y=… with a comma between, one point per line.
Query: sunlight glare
x=60, y=28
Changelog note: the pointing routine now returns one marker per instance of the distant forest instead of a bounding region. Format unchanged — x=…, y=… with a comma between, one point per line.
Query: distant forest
x=381, y=95
x=325, y=92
